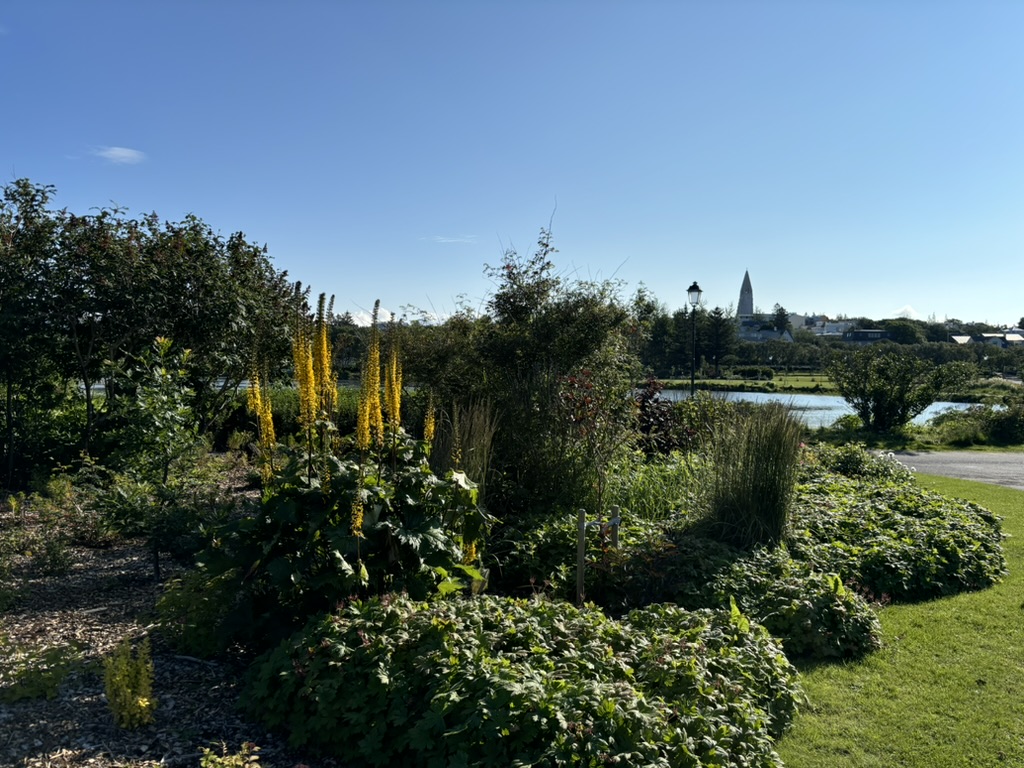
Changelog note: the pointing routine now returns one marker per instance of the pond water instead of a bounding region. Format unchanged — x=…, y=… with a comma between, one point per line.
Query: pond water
x=814, y=410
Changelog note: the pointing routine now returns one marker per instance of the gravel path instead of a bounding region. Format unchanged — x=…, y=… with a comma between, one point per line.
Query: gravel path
x=985, y=467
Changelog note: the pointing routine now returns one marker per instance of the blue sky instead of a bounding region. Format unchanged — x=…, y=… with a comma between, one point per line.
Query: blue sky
x=858, y=158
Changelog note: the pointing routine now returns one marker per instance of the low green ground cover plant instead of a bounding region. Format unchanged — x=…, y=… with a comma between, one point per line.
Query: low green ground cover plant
x=946, y=689
x=810, y=611
x=497, y=682
x=246, y=757
x=888, y=537
x=31, y=673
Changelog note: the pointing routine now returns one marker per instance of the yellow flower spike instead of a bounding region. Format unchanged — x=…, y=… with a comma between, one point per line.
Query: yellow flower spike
x=363, y=418
x=393, y=390
x=260, y=405
x=306, y=377
x=357, y=518
x=430, y=420
x=325, y=381
x=371, y=376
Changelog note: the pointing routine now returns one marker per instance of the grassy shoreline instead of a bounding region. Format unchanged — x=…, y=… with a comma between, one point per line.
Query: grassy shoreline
x=806, y=383
x=947, y=690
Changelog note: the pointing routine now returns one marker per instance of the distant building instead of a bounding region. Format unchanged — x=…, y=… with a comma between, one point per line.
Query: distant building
x=826, y=328
x=754, y=327
x=1006, y=339
x=865, y=336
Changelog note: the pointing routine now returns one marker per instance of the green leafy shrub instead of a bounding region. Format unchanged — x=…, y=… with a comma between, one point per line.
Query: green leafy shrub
x=855, y=460
x=499, y=682
x=538, y=555
x=173, y=516
x=999, y=424
x=754, y=372
x=962, y=427
x=298, y=555
x=1005, y=426
x=35, y=536
x=245, y=757
x=699, y=419
x=846, y=426
x=194, y=611
x=754, y=468
x=873, y=536
x=70, y=504
x=128, y=683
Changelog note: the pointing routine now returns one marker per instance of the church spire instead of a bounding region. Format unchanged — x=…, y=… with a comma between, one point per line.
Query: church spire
x=746, y=305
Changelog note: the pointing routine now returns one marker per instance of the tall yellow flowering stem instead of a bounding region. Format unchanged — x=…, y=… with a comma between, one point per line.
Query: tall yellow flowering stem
x=316, y=380
x=393, y=389
x=258, y=396
x=326, y=380
x=305, y=376
x=370, y=419
x=430, y=420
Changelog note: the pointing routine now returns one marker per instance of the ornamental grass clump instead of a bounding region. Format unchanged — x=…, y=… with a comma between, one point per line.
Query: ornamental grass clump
x=754, y=472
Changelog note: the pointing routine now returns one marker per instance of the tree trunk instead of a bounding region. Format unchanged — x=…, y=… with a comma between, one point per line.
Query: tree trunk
x=9, y=416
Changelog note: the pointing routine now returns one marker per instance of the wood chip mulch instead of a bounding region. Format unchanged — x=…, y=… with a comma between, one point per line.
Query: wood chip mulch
x=107, y=595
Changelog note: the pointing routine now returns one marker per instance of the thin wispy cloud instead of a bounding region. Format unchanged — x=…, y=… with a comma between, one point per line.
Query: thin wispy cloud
x=120, y=155
x=450, y=239
x=364, y=317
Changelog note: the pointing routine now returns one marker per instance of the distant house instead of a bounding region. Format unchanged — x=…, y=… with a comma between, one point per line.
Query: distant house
x=1004, y=340
x=829, y=328
x=757, y=332
x=865, y=335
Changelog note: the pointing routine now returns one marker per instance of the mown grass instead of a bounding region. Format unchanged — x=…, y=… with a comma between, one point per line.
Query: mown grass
x=947, y=690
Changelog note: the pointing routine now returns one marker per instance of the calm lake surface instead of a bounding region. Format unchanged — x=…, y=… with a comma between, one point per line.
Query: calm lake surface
x=814, y=410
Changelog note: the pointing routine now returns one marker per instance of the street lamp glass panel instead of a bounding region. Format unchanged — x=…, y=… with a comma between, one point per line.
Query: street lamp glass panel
x=693, y=293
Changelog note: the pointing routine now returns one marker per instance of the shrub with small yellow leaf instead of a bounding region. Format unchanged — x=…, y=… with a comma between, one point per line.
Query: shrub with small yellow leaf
x=128, y=682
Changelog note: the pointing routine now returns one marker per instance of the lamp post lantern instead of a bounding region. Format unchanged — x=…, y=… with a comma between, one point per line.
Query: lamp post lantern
x=693, y=296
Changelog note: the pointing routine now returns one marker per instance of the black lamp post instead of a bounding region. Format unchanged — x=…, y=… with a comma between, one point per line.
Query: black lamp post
x=693, y=296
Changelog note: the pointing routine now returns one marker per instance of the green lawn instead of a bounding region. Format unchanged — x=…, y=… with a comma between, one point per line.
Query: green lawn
x=947, y=690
